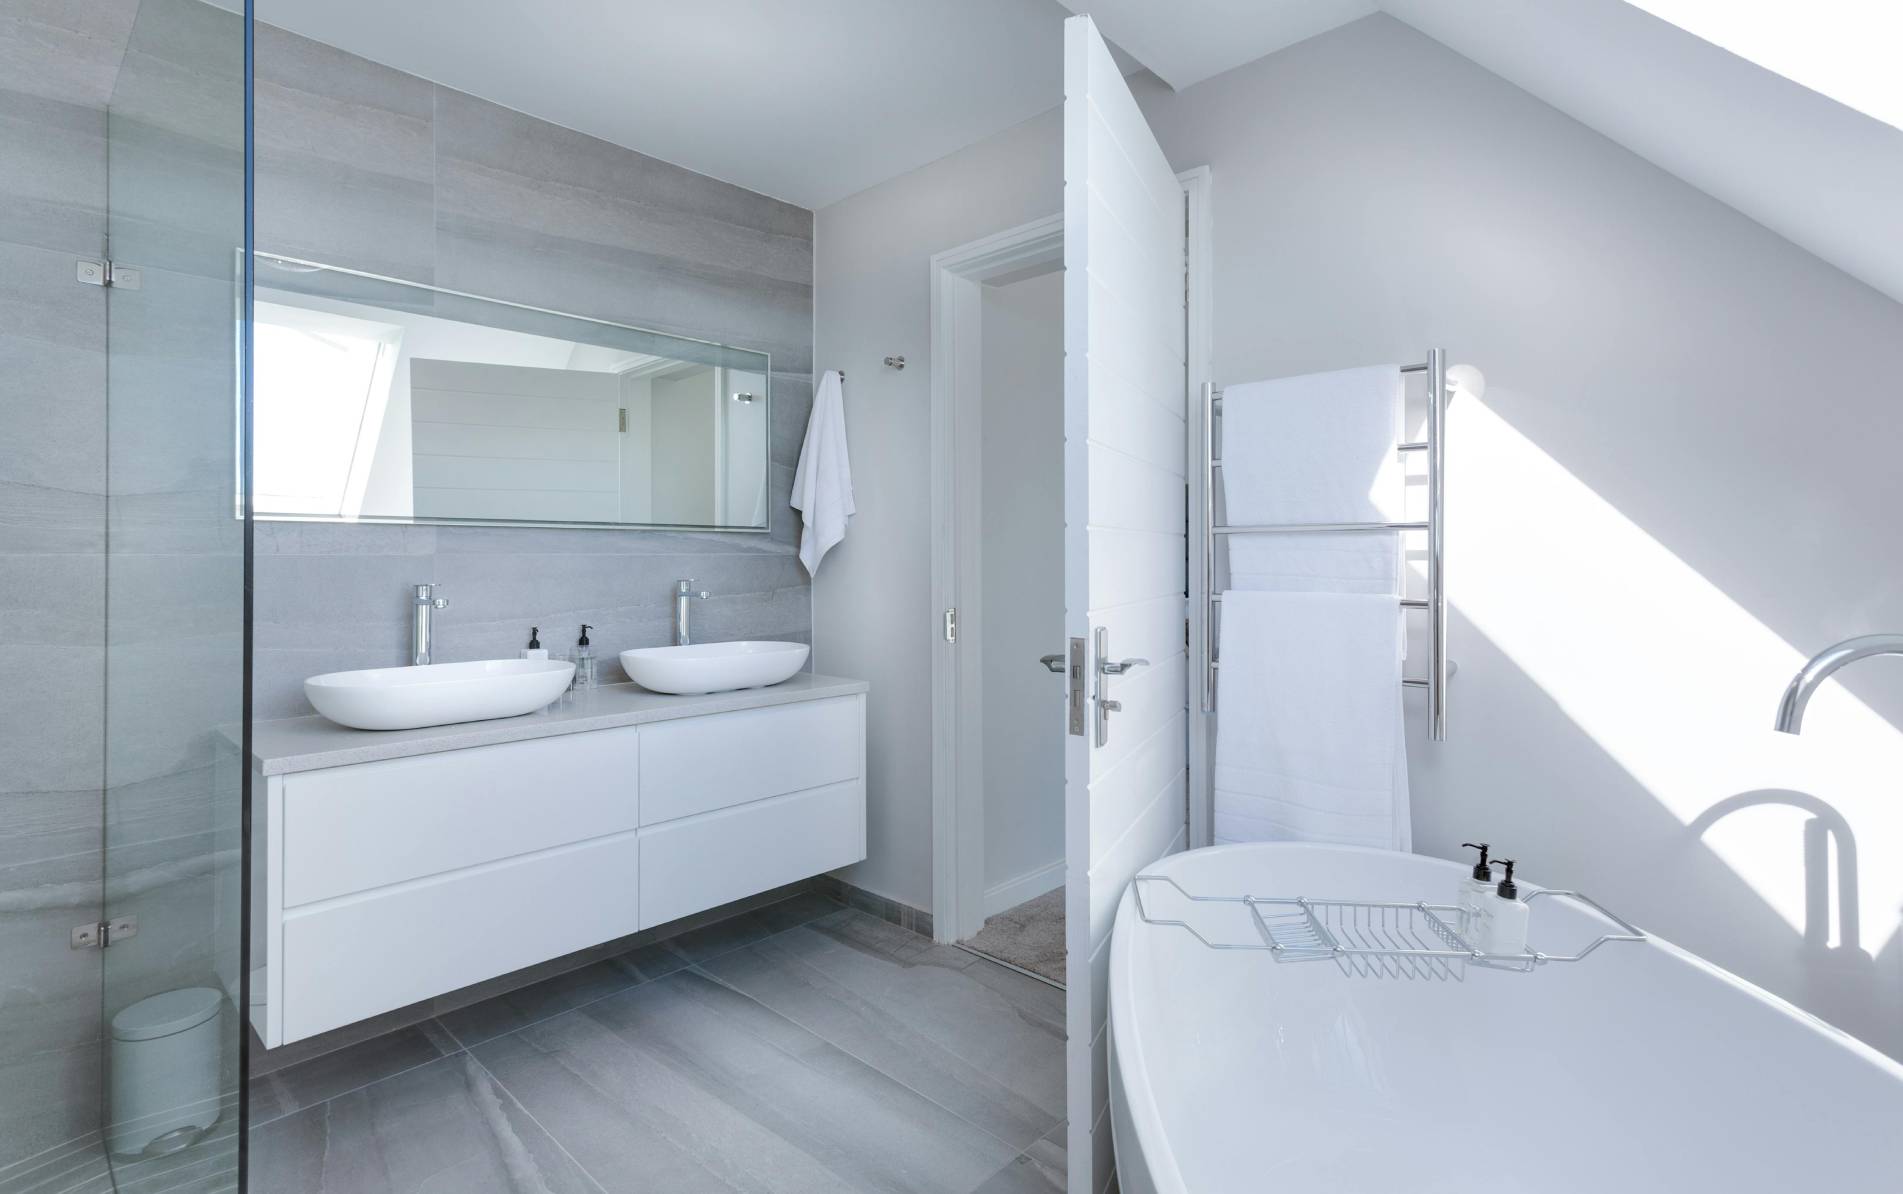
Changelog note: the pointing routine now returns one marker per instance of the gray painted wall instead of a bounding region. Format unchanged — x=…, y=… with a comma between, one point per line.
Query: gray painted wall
x=1021, y=547
x=369, y=168
x=873, y=616
x=1725, y=395
x=1701, y=412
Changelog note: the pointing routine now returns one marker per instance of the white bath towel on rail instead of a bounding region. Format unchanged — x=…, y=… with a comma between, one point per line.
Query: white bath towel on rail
x=822, y=485
x=1316, y=448
x=1309, y=739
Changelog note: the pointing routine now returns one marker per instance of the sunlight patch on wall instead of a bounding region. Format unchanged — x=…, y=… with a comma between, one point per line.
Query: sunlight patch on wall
x=1672, y=678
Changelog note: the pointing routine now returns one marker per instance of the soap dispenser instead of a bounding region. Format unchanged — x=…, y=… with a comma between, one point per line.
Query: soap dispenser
x=535, y=649
x=1475, y=890
x=1507, y=916
x=584, y=660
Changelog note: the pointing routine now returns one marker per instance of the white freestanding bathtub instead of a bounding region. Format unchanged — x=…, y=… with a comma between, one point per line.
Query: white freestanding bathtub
x=1638, y=1068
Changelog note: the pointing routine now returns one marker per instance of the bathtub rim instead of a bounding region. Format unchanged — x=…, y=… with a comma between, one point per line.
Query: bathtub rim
x=1139, y=1139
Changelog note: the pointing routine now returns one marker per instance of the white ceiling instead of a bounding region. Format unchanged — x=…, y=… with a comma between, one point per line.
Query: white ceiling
x=808, y=101
x=1819, y=173
x=816, y=100
x=1184, y=42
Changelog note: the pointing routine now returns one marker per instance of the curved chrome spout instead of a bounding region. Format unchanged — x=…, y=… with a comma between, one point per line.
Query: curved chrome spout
x=1790, y=711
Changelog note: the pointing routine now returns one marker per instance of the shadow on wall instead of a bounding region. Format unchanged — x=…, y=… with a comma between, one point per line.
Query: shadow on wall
x=1582, y=820
x=1618, y=706
x=1845, y=975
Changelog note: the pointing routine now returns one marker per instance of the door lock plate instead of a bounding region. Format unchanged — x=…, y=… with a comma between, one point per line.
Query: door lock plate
x=1076, y=683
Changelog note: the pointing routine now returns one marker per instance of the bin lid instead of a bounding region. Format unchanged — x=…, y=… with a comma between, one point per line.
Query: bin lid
x=166, y=1013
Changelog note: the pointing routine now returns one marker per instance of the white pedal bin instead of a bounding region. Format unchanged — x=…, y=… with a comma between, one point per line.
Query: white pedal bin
x=165, y=1069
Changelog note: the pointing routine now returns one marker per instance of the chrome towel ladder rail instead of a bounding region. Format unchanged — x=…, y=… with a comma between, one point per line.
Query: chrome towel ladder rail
x=1435, y=603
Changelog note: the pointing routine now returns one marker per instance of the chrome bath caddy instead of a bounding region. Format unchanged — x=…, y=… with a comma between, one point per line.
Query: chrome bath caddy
x=1376, y=938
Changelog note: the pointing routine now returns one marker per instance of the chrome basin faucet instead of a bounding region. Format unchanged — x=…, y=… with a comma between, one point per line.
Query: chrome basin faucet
x=684, y=594
x=424, y=603
x=1790, y=711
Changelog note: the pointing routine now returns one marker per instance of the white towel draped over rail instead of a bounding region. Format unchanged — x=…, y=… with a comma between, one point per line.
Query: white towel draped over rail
x=822, y=485
x=1442, y=383
x=1309, y=746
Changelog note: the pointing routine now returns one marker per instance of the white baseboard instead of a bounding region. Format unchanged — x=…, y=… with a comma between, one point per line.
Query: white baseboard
x=1028, y=886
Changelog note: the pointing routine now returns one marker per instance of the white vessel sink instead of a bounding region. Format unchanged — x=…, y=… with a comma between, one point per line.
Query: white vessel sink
x=714, y=667
x=436, y=694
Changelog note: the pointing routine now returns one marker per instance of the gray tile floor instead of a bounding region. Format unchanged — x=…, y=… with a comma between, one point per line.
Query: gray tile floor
x=799, y=1047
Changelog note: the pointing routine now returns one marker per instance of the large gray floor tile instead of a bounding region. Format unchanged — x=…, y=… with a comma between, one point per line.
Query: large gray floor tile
x=309, y=1083
x=737, y=932
x=1021, y=1019
x=446, y=1126
x=750, y=1097
x=916, y=1015
x=48, y=1099
x=512, y=1010
x=76, y=1168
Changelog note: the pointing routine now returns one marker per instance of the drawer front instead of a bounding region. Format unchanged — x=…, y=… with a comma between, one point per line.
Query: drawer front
x=350, y=829
x=699, y=764
x=359, y=957
x=702, y=862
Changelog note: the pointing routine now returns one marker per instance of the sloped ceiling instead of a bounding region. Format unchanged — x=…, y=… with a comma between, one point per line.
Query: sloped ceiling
x=1184, y=42
x=807, y=101
x=1818, y=173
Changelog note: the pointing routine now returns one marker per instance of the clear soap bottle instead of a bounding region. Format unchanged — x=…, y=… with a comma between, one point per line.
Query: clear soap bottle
x=584, y=661
x=1474, y=892
x=1507, y=917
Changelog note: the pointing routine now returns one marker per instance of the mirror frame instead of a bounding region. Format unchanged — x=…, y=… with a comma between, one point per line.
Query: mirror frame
x=304, y=266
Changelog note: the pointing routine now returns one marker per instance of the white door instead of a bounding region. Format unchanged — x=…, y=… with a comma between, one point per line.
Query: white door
x=1125, y=391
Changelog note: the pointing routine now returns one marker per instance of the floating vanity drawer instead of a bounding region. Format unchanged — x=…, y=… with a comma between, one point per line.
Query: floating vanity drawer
x=699, y=764
x=355, y=828
x=702, y=862
x=368, y=954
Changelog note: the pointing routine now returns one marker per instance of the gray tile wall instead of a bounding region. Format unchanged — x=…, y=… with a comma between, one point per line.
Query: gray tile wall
x=58, y=60
x=366, y=167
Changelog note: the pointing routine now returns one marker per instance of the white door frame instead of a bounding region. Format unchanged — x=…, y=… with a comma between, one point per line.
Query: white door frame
x=958, y=827
x=958, y=278
x=1199, y=367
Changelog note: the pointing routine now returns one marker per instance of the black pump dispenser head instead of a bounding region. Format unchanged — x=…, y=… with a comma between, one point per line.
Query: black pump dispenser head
x=535, y=644
x=1482, y=872
x=583, y=640
x=1509, y=890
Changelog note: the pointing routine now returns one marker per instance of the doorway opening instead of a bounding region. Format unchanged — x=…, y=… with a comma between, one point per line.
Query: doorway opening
x=999, y=688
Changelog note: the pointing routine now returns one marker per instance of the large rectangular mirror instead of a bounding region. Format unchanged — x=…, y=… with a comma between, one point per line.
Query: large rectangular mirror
x=384, y=401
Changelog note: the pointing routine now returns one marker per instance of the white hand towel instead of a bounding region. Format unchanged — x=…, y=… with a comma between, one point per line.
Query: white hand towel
x=1309, y=745
x=822, y=485
x=1317, y=448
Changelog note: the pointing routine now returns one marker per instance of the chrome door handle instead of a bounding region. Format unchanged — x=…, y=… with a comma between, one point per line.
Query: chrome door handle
x=1107, y=668
x=1054, y=662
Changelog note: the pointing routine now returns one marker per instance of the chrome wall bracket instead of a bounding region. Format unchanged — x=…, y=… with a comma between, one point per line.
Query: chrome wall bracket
x=103, y=933
x=108, y=273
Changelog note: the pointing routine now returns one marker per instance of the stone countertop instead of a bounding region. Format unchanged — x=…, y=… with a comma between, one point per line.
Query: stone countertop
x=312, y=743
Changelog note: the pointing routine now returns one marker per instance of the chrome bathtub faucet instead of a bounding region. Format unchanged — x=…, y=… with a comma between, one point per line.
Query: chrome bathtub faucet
x=1790, y=711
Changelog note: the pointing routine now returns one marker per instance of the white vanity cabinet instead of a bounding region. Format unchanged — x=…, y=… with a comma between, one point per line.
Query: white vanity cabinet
x=382, y=883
